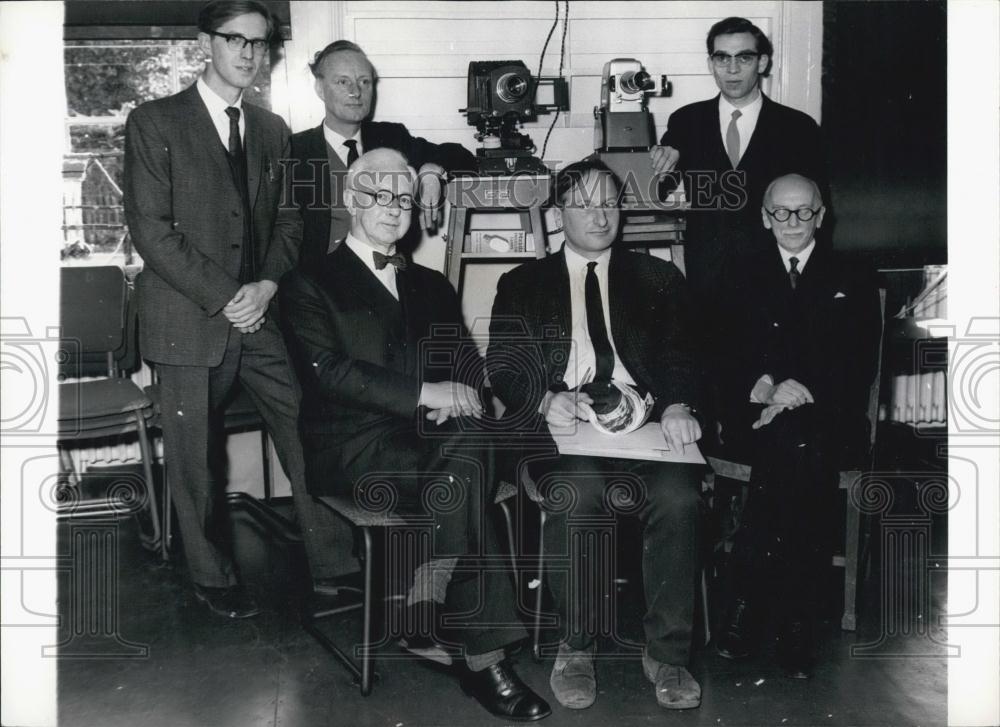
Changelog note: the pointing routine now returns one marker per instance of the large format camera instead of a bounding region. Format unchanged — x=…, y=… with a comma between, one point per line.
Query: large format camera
x=501, y=96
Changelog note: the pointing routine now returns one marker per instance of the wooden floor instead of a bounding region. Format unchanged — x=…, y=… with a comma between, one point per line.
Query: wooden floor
x=174, y=664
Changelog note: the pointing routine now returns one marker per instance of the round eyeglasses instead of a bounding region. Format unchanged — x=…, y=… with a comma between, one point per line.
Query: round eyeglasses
x=783, y=215
x=384, y=198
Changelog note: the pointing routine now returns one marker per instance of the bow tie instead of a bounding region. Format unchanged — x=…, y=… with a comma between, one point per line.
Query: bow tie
x=382, y=260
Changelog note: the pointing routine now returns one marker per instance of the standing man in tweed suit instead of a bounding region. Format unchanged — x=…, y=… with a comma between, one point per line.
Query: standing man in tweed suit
x=203, y=178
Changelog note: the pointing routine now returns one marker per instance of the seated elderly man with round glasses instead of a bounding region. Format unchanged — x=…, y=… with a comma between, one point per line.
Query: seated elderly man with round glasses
x=803, y=327
x=390, y=413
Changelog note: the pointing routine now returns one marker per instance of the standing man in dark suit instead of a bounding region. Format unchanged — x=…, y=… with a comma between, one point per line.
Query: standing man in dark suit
x=390, y=396
x=727, y=149
x=804, y=332
x=563, y=329
x=203, y=177
x=345, y=82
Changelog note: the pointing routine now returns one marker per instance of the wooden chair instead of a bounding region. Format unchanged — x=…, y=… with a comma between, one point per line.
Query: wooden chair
x=850, y=560
x=97, y=340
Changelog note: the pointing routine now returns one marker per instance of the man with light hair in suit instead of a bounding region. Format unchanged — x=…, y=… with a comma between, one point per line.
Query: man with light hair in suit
x=203, y=179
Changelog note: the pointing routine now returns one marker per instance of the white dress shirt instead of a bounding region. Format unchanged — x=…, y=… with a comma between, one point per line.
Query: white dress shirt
x=217, y=106
x=336, y=141
x=746, y=123
x=802, y=255
x=582, y=363
x=387, y=275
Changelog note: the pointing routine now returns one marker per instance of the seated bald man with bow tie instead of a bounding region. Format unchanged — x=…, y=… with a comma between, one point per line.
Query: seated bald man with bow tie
x=389, y=380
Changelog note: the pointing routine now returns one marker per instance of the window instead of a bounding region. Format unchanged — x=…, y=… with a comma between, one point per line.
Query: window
x=105, y=80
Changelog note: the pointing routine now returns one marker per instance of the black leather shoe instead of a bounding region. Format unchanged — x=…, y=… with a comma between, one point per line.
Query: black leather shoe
x=229, y=601
x=794, y=650
x=735, y=642
x=500, y=690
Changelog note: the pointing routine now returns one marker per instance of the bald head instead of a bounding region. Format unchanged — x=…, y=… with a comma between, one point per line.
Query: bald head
x=798, y=200
x=796, y=183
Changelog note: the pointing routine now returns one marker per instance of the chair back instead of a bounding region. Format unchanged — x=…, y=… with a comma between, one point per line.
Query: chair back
x=92, y=315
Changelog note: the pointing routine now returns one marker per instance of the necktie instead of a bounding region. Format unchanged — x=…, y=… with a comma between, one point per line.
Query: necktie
x=238, y=166
x=793, y=272
x=733, y=140
x=595, y=325
x=352, y=151
x=381, y=260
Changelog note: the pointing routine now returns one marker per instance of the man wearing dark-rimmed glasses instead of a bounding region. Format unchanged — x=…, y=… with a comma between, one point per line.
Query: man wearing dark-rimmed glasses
x=728, y=149
x=803, y=328
x=203, y=177
x=391, y=403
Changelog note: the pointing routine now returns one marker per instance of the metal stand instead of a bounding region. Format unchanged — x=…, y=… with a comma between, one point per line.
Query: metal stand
x=519, y=193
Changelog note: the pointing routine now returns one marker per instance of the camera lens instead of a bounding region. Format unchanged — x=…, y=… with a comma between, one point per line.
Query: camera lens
x=635, y=82
x=512, y=87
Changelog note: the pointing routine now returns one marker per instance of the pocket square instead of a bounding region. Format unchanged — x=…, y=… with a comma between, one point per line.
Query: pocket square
x=839, y=295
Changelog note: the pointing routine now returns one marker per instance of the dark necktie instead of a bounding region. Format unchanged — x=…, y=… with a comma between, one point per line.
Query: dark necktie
x=595, y=325
x=793, y=272
x=352, y=151
x=238, y=166
x=381, y=260
x=733, y=140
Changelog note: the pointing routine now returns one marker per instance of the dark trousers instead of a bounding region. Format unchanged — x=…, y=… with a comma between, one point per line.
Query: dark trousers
x=582, y=496
x=446, y=477
x=783, y=546
x=193, y=399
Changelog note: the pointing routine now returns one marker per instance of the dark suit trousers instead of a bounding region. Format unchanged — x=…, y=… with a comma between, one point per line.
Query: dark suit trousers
x=784, y=544
x=192, y=407
x=442, y=475
x=582, y=497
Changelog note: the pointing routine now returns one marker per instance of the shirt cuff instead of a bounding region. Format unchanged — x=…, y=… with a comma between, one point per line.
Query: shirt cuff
x=758, y=394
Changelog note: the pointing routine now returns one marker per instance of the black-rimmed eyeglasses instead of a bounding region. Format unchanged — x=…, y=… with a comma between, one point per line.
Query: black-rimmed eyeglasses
x=722, y=60
x=237, y=42
x=384, y=198
x=783, y=215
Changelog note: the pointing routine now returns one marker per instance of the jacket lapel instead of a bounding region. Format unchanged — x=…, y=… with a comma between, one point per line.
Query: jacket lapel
x=253, y=145
x=205, y=133
x=763, y=119
x=353, y=273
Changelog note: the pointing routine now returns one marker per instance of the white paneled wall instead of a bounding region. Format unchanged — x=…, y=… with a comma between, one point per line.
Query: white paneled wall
x=422, y=50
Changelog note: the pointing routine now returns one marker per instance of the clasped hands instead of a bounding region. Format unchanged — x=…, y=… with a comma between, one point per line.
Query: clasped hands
x=247, y=309
x=787, y=394
x=447, y=399
x=678, y=424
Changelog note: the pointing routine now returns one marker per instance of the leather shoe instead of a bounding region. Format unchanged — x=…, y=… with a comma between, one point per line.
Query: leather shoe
x=734, y=641
x=572, y=679
x=675, y=688
x=794, y=649
x=229, y=601
x=500, y=690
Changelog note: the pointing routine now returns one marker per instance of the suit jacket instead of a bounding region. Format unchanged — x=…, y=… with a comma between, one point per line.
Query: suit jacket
x=185, y=216
x=531, y=331
x=824, y=334
x=725, y=206
x=362, y=357
x=316, y=181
